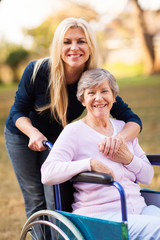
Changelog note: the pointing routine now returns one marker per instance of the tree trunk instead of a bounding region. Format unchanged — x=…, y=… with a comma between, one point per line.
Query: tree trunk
x=150, y=61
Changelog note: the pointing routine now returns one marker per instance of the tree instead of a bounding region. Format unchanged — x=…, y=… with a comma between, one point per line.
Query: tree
x=150, y=61
x=42, y=35
x=14, y=58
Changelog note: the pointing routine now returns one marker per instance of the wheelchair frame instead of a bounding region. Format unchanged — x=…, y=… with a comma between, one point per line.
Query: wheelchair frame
x=71, y=226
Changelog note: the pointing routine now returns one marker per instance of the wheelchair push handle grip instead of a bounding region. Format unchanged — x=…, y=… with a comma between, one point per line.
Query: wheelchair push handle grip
x=47, y=144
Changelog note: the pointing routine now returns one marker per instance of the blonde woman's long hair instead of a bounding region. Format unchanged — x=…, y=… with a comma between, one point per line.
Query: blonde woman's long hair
x=57, y=85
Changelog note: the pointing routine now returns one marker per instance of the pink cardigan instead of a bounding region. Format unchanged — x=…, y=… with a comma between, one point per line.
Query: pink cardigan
x=71, y=155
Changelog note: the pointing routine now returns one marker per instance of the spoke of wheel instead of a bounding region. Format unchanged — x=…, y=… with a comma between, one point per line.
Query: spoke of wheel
x=43, y=222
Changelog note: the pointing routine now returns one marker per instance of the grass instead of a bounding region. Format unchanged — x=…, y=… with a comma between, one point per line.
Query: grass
x=11, y=201
x=122, y=70
x=142, y=95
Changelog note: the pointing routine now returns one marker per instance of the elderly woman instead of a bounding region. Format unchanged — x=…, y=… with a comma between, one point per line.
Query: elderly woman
x=81, y=147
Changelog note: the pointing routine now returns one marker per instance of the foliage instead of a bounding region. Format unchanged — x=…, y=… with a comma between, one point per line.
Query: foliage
x=122, y=30
x=42, y=35
x=16, y=56
x=121, y=70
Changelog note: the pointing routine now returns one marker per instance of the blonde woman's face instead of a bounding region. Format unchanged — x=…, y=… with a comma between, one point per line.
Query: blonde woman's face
x=75, y=49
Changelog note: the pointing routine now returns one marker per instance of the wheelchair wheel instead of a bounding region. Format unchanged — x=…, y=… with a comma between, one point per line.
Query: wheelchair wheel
x=46, y=224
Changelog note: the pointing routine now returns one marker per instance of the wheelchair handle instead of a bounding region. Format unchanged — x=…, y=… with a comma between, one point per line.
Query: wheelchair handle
x=47, y=144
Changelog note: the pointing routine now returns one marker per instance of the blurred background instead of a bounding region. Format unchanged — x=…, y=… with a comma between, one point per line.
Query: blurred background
x=128, y=33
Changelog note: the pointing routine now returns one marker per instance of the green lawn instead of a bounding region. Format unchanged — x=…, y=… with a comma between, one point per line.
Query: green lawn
x=143, y=96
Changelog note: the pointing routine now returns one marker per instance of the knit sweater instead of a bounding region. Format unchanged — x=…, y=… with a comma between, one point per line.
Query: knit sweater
x=71, y=155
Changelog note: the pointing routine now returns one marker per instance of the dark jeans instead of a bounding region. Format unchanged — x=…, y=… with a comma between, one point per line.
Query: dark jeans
x=26, y=164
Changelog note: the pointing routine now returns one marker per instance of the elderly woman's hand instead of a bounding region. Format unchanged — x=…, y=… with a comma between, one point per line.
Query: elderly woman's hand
x=123, y=155
x=98, y=166
x=116, y=149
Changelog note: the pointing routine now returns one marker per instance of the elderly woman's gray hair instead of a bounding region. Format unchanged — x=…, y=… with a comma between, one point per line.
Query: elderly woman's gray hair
x=93, y=77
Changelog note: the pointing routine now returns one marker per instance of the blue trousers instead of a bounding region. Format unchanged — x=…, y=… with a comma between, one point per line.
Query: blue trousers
x=145, y=226
x=26, y=164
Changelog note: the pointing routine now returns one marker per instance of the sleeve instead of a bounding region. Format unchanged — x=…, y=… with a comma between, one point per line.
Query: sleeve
x=61, y=164
x=140, y=165
x=24, y=99
x=121, y=111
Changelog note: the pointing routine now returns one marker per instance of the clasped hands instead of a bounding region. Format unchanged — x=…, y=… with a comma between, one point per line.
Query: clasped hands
x=116, y=149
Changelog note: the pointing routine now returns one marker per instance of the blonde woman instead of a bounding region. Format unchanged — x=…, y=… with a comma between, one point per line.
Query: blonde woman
x=46, y=101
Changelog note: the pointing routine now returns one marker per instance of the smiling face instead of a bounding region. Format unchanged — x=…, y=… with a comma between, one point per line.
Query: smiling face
x=75, y=50
x=98, y=101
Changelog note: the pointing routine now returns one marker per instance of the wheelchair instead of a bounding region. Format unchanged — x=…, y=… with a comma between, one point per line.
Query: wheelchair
x=65, y=225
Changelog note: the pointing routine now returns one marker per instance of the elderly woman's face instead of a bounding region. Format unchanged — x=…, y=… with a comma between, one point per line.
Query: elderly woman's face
x=99, y=100
x=75, y=49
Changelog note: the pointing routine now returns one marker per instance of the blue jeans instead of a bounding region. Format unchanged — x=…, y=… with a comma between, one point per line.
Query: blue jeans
x=26, y=164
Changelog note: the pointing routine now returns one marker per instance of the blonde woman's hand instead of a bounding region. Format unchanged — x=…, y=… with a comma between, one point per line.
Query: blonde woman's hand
x=24, y=124
x=110, y=145
x=97, y=166
x=35, y=141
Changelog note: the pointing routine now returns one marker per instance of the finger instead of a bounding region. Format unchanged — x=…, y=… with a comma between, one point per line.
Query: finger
x=107, y=146
x=40, y=146
x=102, y=145
x=113, y=175
x=36, y=147
x=117, y=146
x=112, y=147
x=32, y=146
x=110, y=172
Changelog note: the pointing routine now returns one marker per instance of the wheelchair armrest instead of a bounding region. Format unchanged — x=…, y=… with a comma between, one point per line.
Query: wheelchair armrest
x=102, y=178
x=154, y=159
x=93, y=177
